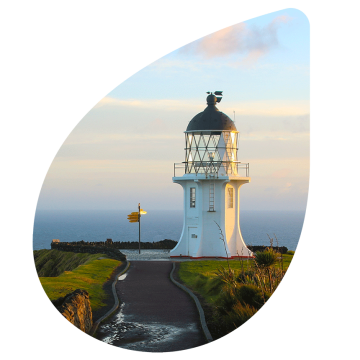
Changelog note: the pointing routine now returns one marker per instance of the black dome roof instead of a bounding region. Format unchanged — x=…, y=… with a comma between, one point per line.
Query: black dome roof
x=211, y=118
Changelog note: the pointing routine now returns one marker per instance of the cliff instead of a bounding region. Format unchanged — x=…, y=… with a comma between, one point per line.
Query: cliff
x=76, y=308
x=54, y=262
x=82, y=247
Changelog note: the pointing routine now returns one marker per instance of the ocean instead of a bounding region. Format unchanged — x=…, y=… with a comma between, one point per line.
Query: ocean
x=156, y=225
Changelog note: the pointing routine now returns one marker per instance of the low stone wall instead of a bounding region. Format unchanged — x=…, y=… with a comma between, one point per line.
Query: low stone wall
x=112, y=253
x=163, y=244
x=76, y=308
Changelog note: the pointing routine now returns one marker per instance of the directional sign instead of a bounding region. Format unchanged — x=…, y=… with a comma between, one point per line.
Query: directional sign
x=133, y=217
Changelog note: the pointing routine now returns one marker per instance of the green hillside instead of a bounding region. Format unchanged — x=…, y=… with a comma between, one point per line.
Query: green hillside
x=51, y=263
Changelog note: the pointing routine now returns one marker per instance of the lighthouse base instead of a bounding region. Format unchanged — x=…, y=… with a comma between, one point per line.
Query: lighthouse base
x=211, y=227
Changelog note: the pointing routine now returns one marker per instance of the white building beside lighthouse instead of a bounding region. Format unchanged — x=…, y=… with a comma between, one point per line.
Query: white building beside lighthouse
x=211, y=183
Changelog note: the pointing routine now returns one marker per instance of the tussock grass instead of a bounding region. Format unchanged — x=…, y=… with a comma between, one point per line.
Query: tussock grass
x=233, y=291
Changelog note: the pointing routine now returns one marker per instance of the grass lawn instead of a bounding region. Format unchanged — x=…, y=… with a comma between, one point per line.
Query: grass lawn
x=200, y=276
x=90, y=277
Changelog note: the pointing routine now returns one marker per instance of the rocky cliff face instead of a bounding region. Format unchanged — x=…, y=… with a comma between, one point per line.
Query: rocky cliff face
x=77, y=309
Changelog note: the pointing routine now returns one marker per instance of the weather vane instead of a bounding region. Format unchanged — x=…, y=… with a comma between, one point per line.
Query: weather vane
x=217, y=93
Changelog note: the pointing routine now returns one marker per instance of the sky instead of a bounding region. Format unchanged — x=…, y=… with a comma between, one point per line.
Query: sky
x=123, y=151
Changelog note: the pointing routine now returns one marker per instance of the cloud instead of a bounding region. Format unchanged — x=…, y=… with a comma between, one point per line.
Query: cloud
x=300, y=108
x=249, y=42
x=156, y=104
x=282, y=173
x=251, y=108
x=221, y=43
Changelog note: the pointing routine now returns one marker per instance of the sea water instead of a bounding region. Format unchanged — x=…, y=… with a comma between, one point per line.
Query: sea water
x=94, y=225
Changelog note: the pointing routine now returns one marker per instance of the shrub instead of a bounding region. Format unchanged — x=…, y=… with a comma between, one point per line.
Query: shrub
x=290, y=252
x=251, y=295
x=246, y=277
x=240, y=314
x=227, y=276
x=225, y=302
x=236, y=317
x=267, y=258
x=265, y=262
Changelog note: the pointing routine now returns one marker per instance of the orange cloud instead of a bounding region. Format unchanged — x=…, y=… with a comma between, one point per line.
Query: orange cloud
x=223, y=42
x=251, y=42
x=281, y=173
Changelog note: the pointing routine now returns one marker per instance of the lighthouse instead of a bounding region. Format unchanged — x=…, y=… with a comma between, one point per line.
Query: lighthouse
x=211, y=177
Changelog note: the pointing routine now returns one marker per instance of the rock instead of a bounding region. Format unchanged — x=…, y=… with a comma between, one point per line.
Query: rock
x=76, y=308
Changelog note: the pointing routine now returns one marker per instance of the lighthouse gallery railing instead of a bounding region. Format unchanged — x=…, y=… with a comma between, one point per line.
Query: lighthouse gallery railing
x=213, y=168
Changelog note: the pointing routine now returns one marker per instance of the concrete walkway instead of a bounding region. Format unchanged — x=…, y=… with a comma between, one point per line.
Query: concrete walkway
x=155, y=315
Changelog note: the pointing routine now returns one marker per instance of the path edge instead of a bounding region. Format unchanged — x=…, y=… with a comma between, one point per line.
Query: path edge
x=116, y=305
x=198, y=305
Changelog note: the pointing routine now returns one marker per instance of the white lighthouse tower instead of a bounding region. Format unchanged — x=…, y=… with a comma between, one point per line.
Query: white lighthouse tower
x=212, y=181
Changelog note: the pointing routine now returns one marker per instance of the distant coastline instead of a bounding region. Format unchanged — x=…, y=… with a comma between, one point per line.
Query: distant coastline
x=96, y=226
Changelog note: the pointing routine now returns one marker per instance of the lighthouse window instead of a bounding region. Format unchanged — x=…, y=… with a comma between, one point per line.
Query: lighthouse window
x=230, y=197
x=192, y=197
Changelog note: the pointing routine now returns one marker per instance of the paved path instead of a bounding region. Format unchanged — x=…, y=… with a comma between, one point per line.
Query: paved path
x=155, y=315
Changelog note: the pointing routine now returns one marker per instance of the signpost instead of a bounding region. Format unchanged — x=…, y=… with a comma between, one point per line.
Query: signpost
x=135, y=217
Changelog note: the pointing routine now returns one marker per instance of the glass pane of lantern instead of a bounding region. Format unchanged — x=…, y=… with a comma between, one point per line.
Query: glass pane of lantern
x=202, y=153
x=196, y=156
x=189, y=140
x=214, y=140
x=206, y=139
x=233, y=139
x=233, y=155
x=221, y=143
x=192, y=154
x=227, y=139
x=195, y=141
x=217, y=156
x=201, y=143
x=189, y=158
